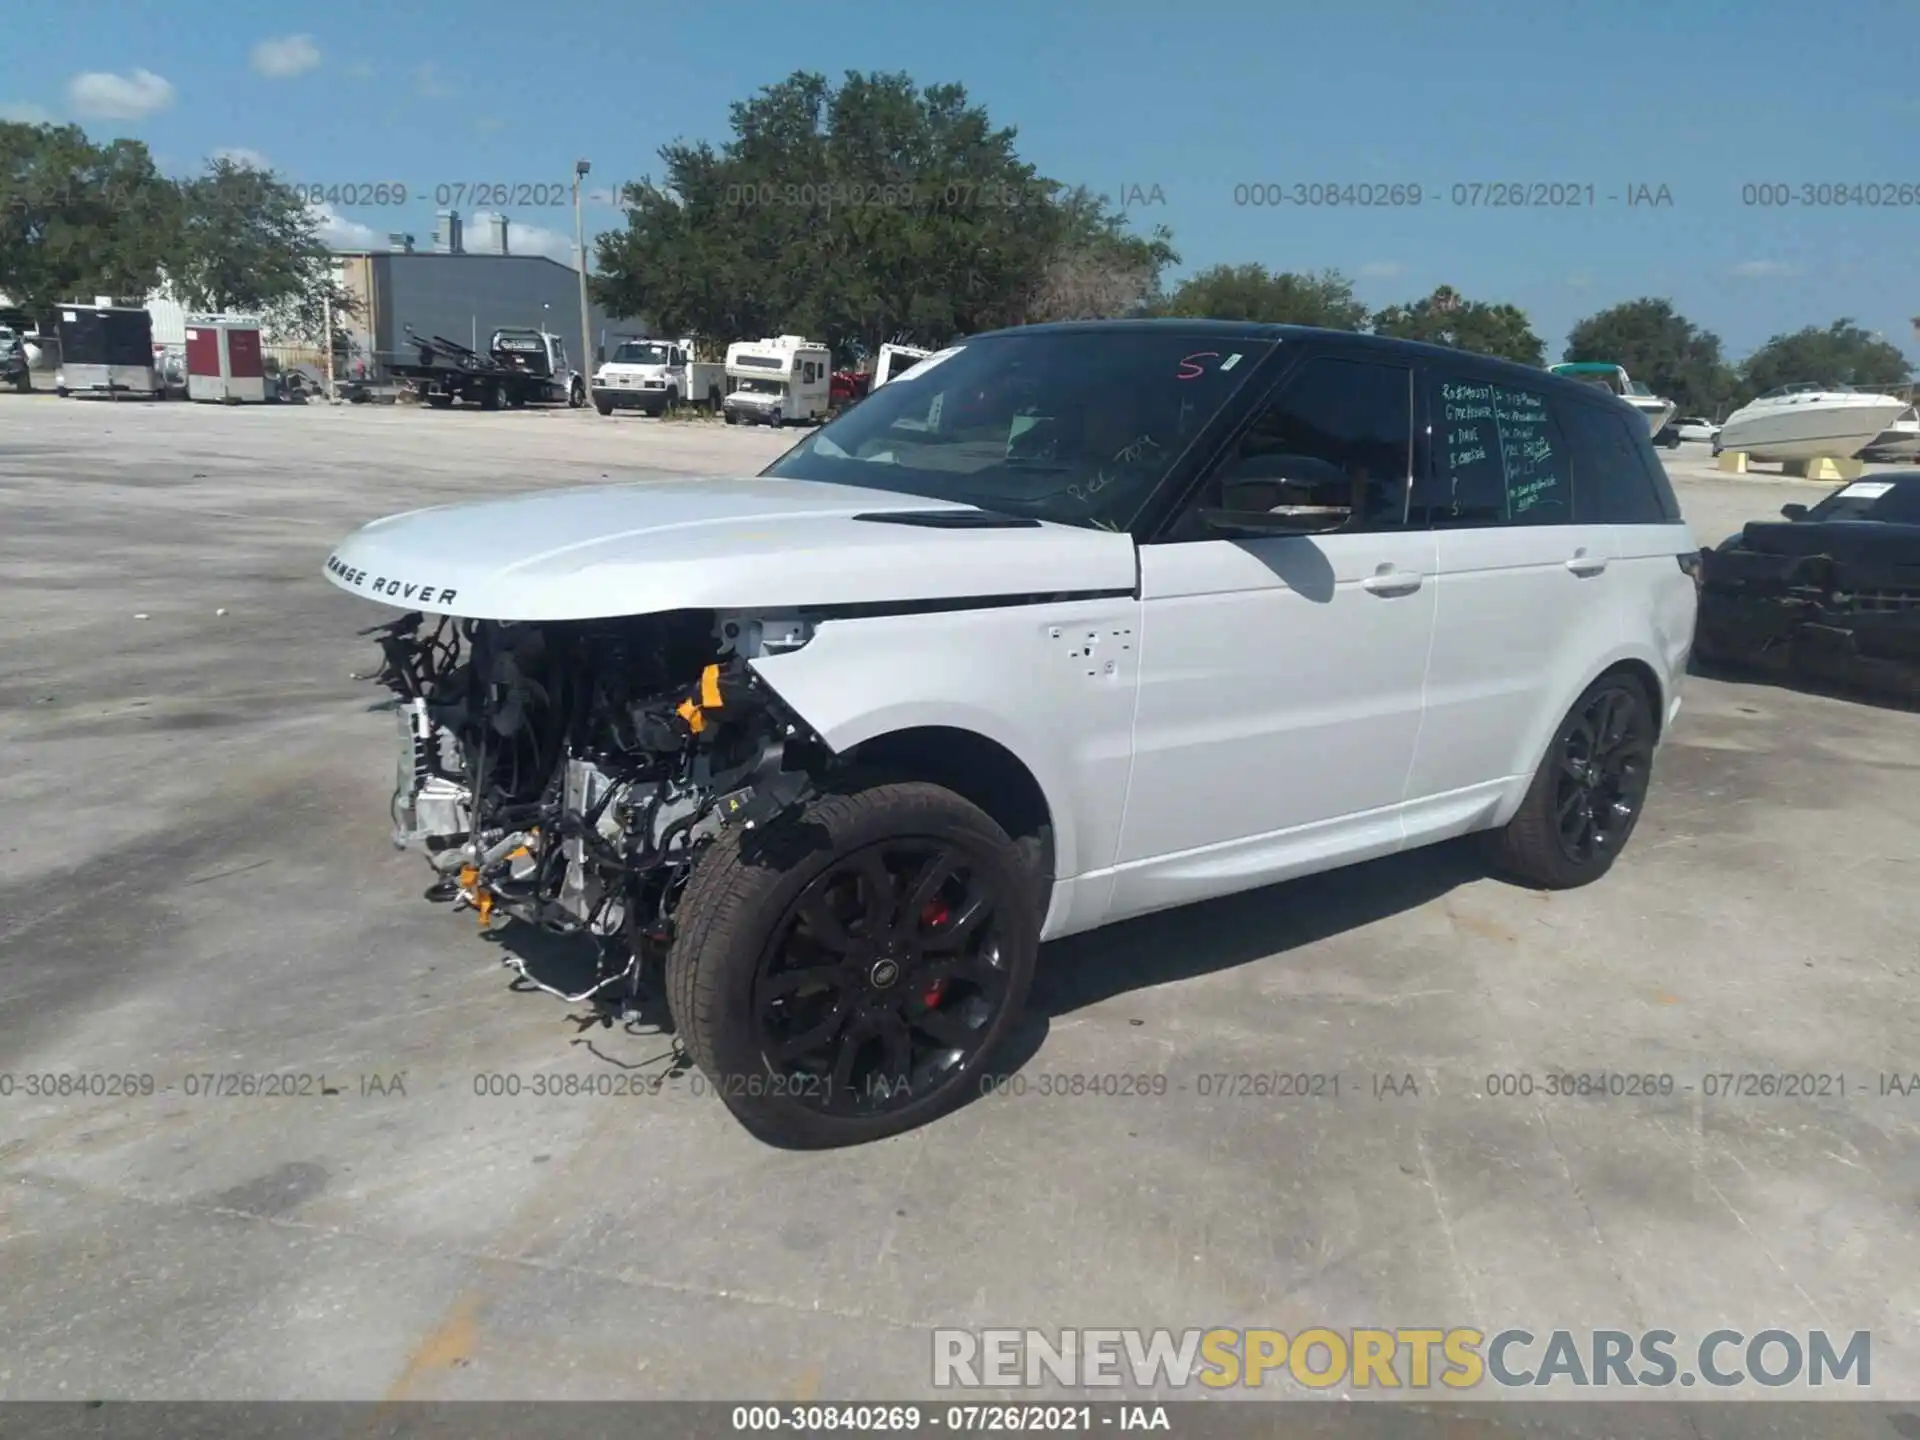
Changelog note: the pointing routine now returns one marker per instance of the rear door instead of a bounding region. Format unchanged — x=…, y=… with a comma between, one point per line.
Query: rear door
x=1526, y=592
x=1619, y=480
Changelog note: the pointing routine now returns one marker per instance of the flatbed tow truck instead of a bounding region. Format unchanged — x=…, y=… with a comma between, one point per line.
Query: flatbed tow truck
x=519, y=367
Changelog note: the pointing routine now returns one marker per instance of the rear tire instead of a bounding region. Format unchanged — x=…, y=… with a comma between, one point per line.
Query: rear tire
x=1586, y=798
x=780, y=946
x=576, y=395
x=604, y=409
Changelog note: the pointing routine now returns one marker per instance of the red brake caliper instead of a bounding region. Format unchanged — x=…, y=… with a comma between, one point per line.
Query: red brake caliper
x=933, y=917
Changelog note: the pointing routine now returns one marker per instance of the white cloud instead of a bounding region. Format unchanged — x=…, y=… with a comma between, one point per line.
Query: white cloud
x=1762, y=269
x=477, y=234
x=25, y=112
x=1381, y=270
x=360, y=70
x=246, y=159
x=339, y=233
x=285, y=56
x=102, y=95
x=428, y=80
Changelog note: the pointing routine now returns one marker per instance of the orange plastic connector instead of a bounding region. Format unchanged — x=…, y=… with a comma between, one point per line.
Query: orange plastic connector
x=690, y=712
x=710, y=687
x=483, y=906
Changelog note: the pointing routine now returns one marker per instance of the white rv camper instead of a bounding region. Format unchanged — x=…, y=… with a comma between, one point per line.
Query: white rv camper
x=781, y=379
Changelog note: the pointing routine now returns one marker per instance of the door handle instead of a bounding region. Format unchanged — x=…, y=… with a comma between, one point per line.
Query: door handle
x=1390, y=582
x=1583, y=564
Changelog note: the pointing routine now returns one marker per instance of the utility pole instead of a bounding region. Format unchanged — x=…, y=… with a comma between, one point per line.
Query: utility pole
x=326, y=328
x=580, y=169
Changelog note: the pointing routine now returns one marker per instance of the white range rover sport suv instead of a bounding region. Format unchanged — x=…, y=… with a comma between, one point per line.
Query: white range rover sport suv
x=1068, y=624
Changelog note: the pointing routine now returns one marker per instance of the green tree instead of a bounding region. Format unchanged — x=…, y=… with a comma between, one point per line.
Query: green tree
x=1842, y=353
x=248, y=242
x=858, y=213
x=1445, y=318
x=1099, y=269
x=1655, y=344
x=1252, y=292
x=79, y=219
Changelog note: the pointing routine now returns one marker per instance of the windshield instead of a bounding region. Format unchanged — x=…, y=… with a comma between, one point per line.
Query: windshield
x=753, y=385
x=1893, y=501
x=640, y=352
x=1074, y=426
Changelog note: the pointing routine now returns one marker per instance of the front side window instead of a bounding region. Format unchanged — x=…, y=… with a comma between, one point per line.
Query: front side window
x=1497, y=457
x=1337, y=436
x=1080, y=427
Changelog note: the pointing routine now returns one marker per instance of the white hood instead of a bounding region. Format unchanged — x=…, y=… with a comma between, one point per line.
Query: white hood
x=638, y=549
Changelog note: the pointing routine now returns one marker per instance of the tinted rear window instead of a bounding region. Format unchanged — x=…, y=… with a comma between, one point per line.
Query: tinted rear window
x=1619, y=480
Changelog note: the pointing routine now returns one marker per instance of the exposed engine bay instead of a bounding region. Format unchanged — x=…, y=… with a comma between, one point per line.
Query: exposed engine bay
x=568, y=774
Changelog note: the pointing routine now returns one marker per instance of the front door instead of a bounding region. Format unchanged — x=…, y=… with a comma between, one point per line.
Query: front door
x=1281, y=676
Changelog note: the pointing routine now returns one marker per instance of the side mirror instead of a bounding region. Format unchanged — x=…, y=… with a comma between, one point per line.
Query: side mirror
x=1794, y=512
x=1283, y=520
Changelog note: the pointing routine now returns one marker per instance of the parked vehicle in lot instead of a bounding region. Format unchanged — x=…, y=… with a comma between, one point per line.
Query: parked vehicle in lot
x=1694, y=427
x=107, y=350
x=14, y=372
x=519, y=367
x=1072, y=623
x=1668, y=436
x=779, y=380
x=1831, y=592
x=893, y=361
x=657, y=376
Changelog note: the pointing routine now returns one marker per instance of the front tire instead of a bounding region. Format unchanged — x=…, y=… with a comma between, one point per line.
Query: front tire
x=1587, y=796
x=576, y=396
x=845, y=974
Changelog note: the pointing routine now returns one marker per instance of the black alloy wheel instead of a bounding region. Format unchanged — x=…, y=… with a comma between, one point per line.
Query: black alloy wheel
x=1586, y=797
x=1605, y=760
x=884, y=978
x=846, y=972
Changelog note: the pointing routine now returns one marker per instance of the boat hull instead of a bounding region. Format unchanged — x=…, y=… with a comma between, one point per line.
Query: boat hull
x=1657, y=413
x=1900, y=438
x=1810, y=431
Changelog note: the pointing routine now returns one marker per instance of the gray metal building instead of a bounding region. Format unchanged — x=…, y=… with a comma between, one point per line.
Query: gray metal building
x=464, y=295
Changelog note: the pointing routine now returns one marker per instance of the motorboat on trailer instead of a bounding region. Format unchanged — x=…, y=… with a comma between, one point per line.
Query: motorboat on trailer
x=1809, y=420
x=1614, y=378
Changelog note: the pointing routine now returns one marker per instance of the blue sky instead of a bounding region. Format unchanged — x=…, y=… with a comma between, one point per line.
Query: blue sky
x=1171, y=105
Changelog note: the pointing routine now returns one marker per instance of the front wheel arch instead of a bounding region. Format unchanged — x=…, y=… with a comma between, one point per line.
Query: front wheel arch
x=980, y=770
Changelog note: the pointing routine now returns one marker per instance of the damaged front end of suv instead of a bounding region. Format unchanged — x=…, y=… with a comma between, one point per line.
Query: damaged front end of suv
x=567, y=774
x=1825, y=594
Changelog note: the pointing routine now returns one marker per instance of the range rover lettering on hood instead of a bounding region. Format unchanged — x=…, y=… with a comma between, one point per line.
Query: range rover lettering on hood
x=719, y=542
x=388, y=586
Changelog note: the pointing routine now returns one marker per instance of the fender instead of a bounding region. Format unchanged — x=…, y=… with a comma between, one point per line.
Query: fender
x=1054, y=683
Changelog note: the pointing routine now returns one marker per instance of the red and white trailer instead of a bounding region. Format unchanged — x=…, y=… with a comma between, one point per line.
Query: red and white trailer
x=224, y=362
